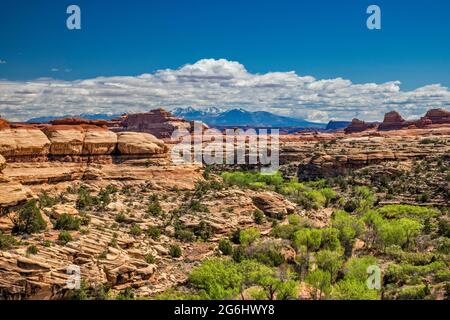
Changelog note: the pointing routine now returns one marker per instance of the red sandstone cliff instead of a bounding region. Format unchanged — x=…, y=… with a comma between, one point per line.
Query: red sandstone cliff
x=159, y=123
x=394, y=121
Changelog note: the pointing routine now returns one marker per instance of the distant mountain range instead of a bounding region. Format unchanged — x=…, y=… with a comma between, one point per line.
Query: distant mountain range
x=88, y=116
x=240, y=117
x=213, y=117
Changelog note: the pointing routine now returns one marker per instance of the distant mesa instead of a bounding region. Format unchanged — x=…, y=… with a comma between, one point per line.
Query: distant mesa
x=158, y=122
x=394, y=121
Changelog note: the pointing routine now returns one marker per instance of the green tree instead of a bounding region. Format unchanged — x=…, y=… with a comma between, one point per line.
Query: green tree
x=356, y=267
x=330, y=261
x=217, y=279
x=350, y=227
x=248, y=236
x=29, y=219
x=353, y=289
x=321, y=282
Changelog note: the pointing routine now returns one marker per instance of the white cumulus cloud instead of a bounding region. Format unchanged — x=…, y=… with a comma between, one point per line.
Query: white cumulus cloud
x=218, y=83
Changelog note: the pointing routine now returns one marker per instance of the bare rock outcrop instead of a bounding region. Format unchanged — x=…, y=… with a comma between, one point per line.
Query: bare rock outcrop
x=65, y=140
x=98, y=141
x=23, y=142
x=358, y=126
x=438, y=116
x=272, y=204
x=393, y=121
x=137, y=143
x=159, y=123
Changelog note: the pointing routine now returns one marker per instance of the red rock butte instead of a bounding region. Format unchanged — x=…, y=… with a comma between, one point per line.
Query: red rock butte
x=394, y=121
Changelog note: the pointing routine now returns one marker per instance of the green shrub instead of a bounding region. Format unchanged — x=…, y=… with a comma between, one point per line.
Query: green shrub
x=248, y=236
x=401, y=232
x=120, y=217
x=256, y=180
x=183, y=234
x=415, y=258
x=284, y=231
x=135, y=230
x=85, y=200
x=217, y=279
x=225, y=247
x=413, y=293
x=153, y=232
x=258, y=216
x=150, y=259
x=407, y=211
x=350, y=227
x=329, y=195
x=32, y=249
x=29, y=219
x=353, y=289
x=268, y=253
x=404, y=272
x=154, y=208
x=203, y=231
x=175, y=251
x=46, y=201
x=239, y=254
x=64, y=237
x=67, y=222
x=7, y=241
x=236, y=236
x=356, y=267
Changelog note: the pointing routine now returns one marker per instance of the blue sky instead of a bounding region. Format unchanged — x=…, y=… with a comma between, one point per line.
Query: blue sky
x=325, y=39
x=320, y=39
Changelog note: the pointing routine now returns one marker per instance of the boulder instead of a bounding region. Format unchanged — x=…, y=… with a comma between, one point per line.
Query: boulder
x=12, y=193
x=58, y=210
x=139, y=143
x=23, y=142
x=272, y=204
x=99, y=141
x=65, y=140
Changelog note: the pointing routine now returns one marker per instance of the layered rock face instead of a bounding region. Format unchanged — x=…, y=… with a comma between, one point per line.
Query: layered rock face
x=393, y=121
x=159, y=123
x=349, y=154
x=437, y=116
x=139, y=143
x=22, y=143
x=73, y=143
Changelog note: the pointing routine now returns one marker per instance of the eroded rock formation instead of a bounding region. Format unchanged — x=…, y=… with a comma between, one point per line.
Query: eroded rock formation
x=159, y=123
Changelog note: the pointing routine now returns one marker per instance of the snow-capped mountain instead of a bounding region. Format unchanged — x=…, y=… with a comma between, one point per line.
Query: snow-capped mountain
x=240, y=117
